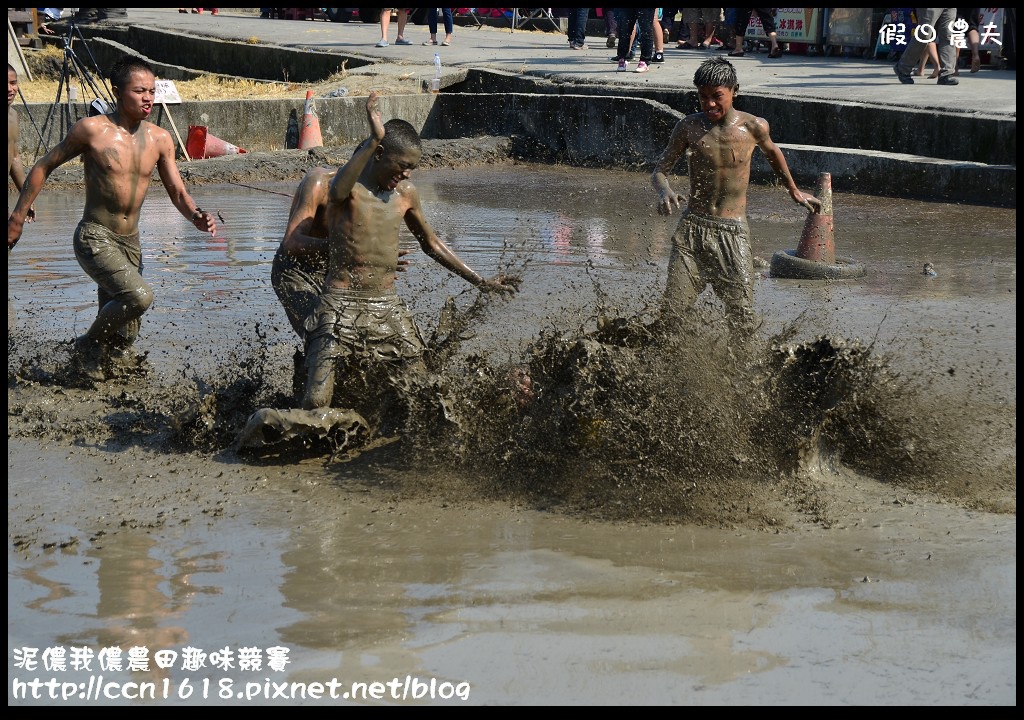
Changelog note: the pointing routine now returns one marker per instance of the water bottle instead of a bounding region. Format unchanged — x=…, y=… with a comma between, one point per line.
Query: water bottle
x=435, y=84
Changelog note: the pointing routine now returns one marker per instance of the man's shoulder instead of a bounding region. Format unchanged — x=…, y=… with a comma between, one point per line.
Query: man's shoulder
x=751, y=119
x=155, y=129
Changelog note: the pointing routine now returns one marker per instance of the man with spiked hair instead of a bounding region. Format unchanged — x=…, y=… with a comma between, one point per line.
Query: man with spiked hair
x=712, y=241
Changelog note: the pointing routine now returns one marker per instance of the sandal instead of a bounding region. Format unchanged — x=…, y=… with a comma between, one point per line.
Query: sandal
x=776, y=52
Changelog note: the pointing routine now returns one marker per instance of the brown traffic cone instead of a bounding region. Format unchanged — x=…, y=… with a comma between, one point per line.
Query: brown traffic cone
x=309, y=133
x=200, y=144
x=817, y=242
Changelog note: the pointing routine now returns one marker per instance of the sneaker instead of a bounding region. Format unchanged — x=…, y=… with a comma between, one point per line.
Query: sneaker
x=581, y=46
x=611, y=42
x=905, y=79
x=659, y=58
x=947, y=80
x=641, y=67
x=383, y=43
x=403, y=41
x=623, y=66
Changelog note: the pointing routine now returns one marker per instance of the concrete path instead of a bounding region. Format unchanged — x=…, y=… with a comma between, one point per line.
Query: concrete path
x=990, y=93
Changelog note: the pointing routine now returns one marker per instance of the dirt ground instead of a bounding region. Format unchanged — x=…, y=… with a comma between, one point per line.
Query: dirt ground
x=143, y=423
x=821, y=434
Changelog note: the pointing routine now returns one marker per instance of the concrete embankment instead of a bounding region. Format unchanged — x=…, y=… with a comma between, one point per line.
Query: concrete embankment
x=869, y=148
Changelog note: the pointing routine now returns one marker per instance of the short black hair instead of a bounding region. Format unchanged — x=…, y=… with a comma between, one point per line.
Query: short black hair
x=121, y=71
x=716, y=72
x=399, y=136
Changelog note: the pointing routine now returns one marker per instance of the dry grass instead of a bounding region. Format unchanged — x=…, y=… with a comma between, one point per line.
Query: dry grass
x=46, y=65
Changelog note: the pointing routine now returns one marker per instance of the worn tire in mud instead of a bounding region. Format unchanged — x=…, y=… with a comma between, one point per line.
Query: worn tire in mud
x=785, y=264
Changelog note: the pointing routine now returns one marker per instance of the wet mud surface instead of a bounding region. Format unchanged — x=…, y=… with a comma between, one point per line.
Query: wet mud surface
x=617, y=420
x=878, y=415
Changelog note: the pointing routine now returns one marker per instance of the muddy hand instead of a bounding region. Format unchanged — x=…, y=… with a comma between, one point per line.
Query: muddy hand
x=373, y=115
x=403, y=262
x=668, y=202
x=14, y=229
x=810, y=202
x=502, y=283
x=204, y=221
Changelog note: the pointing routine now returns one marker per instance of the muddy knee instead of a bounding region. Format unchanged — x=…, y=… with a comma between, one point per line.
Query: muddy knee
x=139, y=300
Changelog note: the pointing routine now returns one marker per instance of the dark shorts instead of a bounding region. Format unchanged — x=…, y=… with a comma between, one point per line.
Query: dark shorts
x=298, y=283
x=716, y=251
x=359, y=325
x=114, y=262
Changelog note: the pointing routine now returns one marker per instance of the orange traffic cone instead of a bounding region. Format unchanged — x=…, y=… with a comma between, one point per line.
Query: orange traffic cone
x=817, y=242
x=200, y=144
x=309, y=133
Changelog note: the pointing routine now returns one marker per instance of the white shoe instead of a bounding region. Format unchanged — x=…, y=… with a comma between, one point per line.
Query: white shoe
x=382, y=43
x=641, y=67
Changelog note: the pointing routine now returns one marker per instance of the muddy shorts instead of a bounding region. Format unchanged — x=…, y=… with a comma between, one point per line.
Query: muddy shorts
x=114, y=262
x=298, y=283
x=716, y=251
x=360, y=325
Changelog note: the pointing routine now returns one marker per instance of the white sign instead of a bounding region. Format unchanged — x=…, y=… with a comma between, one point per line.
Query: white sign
x=166, y=93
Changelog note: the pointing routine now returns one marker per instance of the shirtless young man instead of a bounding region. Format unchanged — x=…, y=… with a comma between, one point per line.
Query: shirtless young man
x=712, y=241
x=119, y=152
x=15, y=170
x=299, y=271
x=360, y=319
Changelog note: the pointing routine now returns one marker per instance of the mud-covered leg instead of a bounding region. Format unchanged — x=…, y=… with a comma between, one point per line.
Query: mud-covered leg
x=681, y=288
x=320, y=366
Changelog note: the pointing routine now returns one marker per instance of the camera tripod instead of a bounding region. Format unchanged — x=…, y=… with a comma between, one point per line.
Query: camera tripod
x=89, y=79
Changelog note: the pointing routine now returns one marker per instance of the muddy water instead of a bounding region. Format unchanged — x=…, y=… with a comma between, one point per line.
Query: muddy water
x=906, y=600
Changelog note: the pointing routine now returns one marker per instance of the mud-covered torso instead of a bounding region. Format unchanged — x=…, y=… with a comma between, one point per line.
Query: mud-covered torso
x=719, y=164
x=364, y=238
x=118, y=166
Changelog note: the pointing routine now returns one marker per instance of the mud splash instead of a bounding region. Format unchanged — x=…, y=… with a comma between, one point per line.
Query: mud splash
x=614, y=420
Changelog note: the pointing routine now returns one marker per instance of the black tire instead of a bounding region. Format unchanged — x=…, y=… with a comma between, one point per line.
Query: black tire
x=369, y=15
x=785, y=264
x=339, y=14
